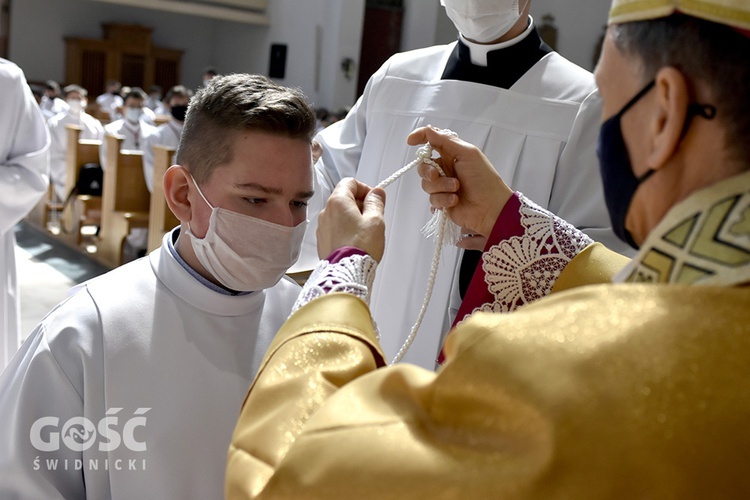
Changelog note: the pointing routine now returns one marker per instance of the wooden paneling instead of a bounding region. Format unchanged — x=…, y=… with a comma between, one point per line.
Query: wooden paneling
x=381, y=38
x=4, y=27
x=126, y=54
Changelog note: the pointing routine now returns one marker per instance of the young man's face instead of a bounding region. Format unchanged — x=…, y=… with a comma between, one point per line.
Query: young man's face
x=76, y=97
x=132, y=108
x=270, y=178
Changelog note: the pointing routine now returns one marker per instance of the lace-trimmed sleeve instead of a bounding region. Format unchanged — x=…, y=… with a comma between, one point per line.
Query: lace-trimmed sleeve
x=528, y=249
x=352, y=273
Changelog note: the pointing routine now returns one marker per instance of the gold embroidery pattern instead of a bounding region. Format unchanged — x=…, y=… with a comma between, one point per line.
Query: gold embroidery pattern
x=707, y=245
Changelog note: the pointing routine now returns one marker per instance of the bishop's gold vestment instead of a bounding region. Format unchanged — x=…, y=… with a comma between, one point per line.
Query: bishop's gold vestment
x=626, y=390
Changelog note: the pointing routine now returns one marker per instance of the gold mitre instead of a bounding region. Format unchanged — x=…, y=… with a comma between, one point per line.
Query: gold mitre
x=734, y=13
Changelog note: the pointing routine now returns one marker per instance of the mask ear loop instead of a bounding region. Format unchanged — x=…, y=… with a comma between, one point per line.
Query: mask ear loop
x=707, y=111
x=202, y=196
x=199, y=189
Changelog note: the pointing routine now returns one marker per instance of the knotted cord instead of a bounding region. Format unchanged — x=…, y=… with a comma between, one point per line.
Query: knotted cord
x=444, y=231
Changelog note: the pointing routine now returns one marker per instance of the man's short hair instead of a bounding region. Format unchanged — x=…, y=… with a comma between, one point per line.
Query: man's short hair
x=135, y=93
x=234, y=103
x=75, y=88
x=713, y=53
x=53, y=86
x=179, y=91
x=37, y=90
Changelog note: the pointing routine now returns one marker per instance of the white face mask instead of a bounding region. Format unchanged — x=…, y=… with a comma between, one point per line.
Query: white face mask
x=482, y=21
x=76, y=105
x=244, y=253
x=133, y=114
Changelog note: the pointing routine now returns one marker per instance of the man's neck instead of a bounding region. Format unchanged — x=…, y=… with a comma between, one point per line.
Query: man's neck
x=521, y=26
x=185, y=249
x=185, y=255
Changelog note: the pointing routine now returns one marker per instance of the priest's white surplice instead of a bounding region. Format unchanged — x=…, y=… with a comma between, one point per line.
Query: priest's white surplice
x=24, y=177
x=540, y=135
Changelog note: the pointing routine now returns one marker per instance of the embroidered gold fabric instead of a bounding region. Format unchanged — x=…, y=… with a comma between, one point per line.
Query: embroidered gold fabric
x=605, y=391
x=627, y=390
x=734, y=13
x=705, y=240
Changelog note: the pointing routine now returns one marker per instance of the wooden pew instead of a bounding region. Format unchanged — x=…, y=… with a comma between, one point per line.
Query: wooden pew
x=161, y=120
x=85, y=209
x=125, y=200
x=97, y=112
x=80, y=152
x=161, y=219
x=40, y=214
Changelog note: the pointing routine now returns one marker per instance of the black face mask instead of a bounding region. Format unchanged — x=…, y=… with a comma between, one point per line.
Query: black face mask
x=616, y=170
x=178, y=112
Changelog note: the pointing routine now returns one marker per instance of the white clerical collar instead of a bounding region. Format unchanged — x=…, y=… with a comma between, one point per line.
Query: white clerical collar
x=479, y=51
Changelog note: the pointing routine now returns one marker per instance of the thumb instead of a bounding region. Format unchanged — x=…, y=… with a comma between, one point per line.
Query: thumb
x=374, y=204
x=347, y=187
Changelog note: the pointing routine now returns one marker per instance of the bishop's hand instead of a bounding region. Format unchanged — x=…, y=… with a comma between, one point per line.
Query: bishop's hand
x=353, y=216
x=472, y=192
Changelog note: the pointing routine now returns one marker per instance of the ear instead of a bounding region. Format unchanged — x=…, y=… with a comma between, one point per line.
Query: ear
x=672, y=99
x=176, y=188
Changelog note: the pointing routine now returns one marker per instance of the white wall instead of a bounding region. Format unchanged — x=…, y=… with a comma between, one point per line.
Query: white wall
x=312, y=66
x=38, y=28
x=579, y=26
x=425, y=24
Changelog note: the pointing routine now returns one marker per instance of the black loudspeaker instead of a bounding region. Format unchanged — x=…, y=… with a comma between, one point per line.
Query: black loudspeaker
x=277, y=67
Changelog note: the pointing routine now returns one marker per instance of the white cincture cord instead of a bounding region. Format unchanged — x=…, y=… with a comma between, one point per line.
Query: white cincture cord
x=437, y=226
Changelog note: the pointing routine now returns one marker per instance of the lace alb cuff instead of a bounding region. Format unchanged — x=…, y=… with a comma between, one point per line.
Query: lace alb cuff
x=353, y=274
x=524, y=268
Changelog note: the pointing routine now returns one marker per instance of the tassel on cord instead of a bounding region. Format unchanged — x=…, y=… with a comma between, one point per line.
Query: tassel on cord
x=445, y=232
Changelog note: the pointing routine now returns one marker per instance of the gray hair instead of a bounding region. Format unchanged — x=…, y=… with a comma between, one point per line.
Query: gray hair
x=712, y=53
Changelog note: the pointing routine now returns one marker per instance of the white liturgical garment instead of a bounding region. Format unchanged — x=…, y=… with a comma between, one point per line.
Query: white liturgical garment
x=24, y=177
x=138, y=379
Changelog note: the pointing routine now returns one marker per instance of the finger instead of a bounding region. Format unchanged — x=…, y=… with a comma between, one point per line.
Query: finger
x=362, y=190
x=428, y=172
x=346, y=188
x=374, y=204
x=441, y=185
x=352, y=189
x=445, y=141
x=443, y=200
